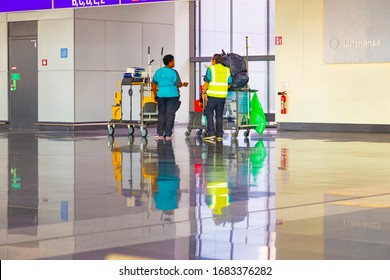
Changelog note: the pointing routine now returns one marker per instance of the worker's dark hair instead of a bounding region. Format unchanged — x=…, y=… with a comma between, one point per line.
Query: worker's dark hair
x=218, y=58
x=168, y=58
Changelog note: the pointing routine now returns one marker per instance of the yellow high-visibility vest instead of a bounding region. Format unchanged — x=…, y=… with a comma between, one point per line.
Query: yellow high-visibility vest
x=218, y=86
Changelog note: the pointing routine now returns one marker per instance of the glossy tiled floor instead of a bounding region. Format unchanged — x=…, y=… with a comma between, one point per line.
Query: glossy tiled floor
x=285, y=195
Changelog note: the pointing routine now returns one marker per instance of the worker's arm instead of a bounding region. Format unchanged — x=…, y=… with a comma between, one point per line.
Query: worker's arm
x=185, y=84
x=154, y=91
x=204, y=90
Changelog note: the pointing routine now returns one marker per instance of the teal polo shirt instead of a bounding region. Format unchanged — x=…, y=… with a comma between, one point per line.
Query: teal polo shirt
x=167, y=80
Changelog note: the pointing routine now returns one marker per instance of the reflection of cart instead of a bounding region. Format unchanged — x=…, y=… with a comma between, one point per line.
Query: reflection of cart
x=229, y=182
x=135, y=185
x=133, y=109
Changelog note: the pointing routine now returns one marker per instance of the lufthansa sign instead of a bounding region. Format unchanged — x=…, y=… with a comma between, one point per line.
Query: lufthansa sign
x=355, y=31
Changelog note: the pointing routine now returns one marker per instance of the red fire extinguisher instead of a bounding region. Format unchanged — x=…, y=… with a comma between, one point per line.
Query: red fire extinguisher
x=283, y=101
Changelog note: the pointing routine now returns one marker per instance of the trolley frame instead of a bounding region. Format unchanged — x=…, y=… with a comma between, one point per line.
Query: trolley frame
x=131, y=124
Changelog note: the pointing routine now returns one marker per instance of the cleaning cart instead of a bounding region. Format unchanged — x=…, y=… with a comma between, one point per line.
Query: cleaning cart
x=134, y=105
x=236, y=116
x=237, y=112
x=197, y=119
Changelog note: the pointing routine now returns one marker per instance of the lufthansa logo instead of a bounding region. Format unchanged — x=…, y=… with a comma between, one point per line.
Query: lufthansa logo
x=334, y=43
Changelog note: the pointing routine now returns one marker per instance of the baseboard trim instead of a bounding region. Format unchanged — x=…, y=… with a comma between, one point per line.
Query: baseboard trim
x=71, y=126
x=331, y=127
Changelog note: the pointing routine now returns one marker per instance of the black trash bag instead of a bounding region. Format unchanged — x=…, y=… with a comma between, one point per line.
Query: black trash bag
x=240, y=80
x=235, y=62
x=238, y=70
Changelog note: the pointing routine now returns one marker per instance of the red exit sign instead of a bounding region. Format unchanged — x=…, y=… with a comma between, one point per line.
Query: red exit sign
x=278, y=40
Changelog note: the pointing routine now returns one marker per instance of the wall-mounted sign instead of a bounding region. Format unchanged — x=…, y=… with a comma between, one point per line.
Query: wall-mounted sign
x=64, y=52
x=15, y=76
x=24, y=5
x=30, y=5
x=83, y=3
x=355, y=31
x=140, y=1
x=278, y=40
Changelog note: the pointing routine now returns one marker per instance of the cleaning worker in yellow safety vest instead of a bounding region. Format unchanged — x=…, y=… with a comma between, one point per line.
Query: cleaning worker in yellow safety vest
x=215, y=90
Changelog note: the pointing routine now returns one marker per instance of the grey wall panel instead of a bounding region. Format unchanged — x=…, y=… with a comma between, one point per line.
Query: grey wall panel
x=56, y=96
x=3, y=96
x=112, y=80
x=40, y=15
x=3, y=71
x=90, y=45
x=55, y=35
x=56, y=80
x=4, y=197
x=3, y=46
x=105, y=54
x=90, y=103
x=157, y=36
x=154, y=13
x=123, y=45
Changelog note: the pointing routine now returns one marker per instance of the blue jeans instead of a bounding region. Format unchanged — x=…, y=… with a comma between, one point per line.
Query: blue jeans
x=167, y=107
x=214, y=105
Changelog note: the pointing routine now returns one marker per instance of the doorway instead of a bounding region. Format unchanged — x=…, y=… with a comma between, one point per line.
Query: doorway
x=23, y=74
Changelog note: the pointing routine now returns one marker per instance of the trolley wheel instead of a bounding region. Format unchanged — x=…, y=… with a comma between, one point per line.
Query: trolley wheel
x=144, y=131
x=131, y=140
x=204, y=133
x=187, y=133
x=199, y=132
x=144, y=142
x=246, y=133
x=111, y=141
x=111, y=130
x=235, y=134
x=130, y=129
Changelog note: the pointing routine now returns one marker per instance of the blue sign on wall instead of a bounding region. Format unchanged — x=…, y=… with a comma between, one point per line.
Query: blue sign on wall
x=83, y=3
x=64, y=211
x=64, y=52
x=24, y=5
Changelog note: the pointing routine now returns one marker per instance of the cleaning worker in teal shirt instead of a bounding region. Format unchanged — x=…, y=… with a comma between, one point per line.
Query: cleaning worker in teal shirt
x=165, y=87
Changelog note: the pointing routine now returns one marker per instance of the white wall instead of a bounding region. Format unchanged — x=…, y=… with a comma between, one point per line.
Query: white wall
x=3, y=69
x=319, y=92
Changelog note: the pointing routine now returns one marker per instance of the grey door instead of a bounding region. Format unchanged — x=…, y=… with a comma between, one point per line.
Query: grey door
x=23, y=78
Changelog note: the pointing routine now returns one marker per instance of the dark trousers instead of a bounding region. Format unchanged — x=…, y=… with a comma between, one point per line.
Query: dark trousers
x=167, y=107
x=214, y=105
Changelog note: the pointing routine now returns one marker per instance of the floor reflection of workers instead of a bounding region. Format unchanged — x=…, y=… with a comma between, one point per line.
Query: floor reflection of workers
x=217, y=196
x=166, y=193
